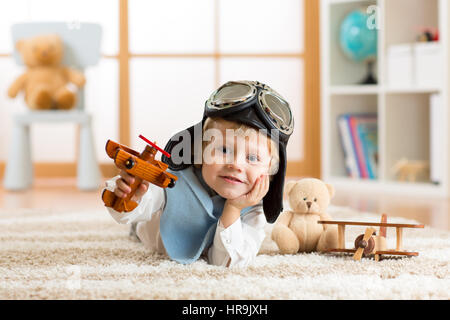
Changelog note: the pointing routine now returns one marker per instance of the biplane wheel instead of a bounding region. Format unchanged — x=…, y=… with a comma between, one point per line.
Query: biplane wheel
x=368, y=245
x=129, y=164
x=171, y=183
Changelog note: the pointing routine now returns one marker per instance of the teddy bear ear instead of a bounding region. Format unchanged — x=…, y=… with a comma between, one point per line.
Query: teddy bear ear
x=288, y=187
x=330, y=190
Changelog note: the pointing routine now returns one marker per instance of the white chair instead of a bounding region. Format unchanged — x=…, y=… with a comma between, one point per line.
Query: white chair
x=81, y=49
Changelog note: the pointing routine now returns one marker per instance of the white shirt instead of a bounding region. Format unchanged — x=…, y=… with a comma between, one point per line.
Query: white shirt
x=237, y=245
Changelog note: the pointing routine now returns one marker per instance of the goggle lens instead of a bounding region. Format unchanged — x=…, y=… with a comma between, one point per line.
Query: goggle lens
x=278, y=110
x=232, y=93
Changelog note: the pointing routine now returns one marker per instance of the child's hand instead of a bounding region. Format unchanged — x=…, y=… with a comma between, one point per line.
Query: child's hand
x=124, y=186
x=254, y=196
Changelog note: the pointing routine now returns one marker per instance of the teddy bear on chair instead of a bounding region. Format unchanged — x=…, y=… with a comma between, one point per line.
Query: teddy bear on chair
x=297, y=230
x=46, y=83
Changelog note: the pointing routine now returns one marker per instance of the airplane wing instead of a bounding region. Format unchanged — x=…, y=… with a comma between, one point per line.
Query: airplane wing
x=151, y=172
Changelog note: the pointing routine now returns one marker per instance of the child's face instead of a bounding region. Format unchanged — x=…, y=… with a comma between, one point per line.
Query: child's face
x=232, y=164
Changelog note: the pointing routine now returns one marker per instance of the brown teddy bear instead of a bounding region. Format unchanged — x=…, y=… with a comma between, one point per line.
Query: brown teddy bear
x=298, y=230
x=46, y=82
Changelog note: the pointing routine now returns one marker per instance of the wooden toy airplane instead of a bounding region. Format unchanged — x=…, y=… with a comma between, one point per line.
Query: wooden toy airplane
x=369, y=243
x=143, y=166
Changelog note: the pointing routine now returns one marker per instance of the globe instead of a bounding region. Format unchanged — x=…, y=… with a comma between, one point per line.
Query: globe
x=357, y=40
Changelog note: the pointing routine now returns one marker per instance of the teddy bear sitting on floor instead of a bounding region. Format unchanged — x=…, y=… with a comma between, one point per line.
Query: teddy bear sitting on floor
x=297, y=230
x=46, y=83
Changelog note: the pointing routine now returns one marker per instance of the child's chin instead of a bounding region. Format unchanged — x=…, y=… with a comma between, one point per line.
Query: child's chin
x=229, y=194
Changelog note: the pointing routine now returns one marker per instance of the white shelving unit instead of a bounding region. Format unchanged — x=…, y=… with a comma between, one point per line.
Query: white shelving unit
x=403, y=113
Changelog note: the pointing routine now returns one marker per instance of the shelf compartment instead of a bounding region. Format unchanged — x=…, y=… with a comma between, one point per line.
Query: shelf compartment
x=344, y=71
x=408, y=131
x=414, y=13
x=343, y=104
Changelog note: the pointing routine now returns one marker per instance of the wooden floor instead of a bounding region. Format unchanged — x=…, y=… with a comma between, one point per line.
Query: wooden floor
x=63, y=194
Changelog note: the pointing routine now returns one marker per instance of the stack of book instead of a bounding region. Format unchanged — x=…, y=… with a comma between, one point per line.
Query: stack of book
x=359, y=137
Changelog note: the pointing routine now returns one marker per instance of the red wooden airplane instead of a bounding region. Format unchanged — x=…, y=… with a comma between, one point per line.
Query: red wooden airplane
x=143, y=166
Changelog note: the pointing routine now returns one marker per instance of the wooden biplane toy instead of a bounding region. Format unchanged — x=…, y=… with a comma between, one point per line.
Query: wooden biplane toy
x=370, y=244
x=143, y=166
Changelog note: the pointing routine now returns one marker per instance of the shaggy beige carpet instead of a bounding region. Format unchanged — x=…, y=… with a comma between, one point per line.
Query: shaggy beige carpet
x=46, y=254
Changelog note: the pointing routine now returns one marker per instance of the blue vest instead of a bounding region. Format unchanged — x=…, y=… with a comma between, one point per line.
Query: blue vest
x=189, y=219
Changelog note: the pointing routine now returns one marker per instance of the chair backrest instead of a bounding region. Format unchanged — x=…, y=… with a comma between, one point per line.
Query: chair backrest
x=82, y=43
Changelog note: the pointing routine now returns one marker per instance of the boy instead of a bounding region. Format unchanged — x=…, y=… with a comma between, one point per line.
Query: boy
x=215, y=207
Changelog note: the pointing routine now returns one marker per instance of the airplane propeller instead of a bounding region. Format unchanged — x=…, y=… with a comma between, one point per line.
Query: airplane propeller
x=362, y=244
